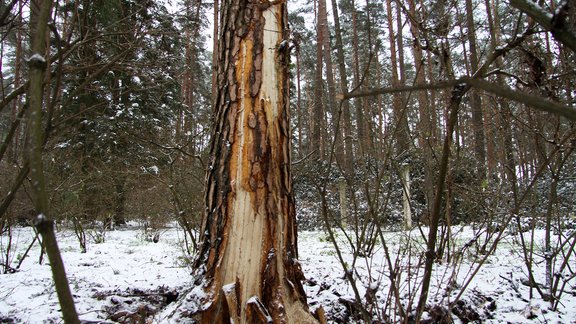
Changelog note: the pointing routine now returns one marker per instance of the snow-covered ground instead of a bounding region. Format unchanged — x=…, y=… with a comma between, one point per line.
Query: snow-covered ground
x=122, y=273
x=129, y=274
x=497, y=293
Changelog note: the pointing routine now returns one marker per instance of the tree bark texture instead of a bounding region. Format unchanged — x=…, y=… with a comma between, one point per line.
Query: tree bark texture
x=247, y=258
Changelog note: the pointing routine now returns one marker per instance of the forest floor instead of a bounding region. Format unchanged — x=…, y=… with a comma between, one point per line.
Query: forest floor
x=127, y=276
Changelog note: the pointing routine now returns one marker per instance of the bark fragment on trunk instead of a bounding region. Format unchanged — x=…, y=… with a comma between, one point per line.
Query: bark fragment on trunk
x=247, y=258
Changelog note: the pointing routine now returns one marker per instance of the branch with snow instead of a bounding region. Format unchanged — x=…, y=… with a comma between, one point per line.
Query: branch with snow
x=36, y=60
x=551, y=22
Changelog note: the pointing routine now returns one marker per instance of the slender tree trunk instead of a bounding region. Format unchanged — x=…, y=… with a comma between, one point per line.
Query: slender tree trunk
x=345, y=115
x=367, y=111
x=119, y=201
x=190, y=85
x=427, y=121
x=490, y=119
x=317, y=123
x=400, y=44
x=555, y=169
x=507, y=156
x=340, y=154
x=16, y=105
x=215, y=34
x=476, y=100
x=298, y=97
x=39, y=17
x=401, y=123
x=332, y=107
x=358, y=104
x=455, y=101
x=247, y=257
x=379, y=143
x=406, y=198
x=342, y=189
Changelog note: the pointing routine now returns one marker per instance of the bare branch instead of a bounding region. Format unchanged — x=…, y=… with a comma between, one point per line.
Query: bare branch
x=389, y=90
x=13, y=128
x=13, y=95
x=553, y=23
x=527, y=99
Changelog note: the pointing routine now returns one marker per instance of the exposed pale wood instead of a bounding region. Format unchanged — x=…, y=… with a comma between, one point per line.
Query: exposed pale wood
x=256, y=312
x=248, y=251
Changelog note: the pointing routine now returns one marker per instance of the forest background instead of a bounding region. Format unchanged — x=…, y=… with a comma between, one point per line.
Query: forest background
x=405, y=115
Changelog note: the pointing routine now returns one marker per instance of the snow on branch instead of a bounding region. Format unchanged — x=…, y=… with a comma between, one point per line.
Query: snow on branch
x=36, y=60
x=551, y=22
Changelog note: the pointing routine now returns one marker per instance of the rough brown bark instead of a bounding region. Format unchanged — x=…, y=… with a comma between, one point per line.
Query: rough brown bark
x=247, y=258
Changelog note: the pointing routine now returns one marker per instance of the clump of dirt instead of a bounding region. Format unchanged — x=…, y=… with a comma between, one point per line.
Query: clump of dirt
x=465, y=312
x=135, y=305
x=7, y=320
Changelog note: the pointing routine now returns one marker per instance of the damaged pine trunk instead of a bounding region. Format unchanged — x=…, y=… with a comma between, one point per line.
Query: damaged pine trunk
x=247, y=257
